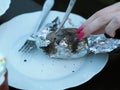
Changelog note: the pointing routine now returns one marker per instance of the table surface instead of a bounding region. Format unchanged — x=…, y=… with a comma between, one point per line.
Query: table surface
x=109, y=77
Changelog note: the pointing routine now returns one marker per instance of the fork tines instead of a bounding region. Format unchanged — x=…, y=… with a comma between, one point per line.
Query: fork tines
x=28, y=46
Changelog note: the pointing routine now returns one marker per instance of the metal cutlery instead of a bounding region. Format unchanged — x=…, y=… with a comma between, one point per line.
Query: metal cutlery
x=30, y=43
x=68, y=11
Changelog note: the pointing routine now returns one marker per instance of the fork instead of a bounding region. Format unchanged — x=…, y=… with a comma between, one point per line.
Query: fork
x=30, y=43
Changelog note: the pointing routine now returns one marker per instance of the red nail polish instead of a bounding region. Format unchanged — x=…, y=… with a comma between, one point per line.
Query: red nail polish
x=81, y=35
x=79, y=29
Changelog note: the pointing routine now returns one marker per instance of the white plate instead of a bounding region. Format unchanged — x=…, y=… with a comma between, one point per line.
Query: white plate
x=4, y=5
x=40, y=72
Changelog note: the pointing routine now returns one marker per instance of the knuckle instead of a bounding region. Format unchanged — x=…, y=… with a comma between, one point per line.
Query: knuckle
x=88, y=30
x=98, y=13
x=117, y=20
x=101, y=16
x=103, y=19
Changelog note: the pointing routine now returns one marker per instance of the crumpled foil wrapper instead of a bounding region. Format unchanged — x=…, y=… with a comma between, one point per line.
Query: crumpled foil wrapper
x=49, y=27
x=101, y=44
x=63, y=52
x=95, y=44
x=62, y=49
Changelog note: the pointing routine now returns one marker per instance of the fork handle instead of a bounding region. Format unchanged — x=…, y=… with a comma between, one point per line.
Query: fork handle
x=45, y=11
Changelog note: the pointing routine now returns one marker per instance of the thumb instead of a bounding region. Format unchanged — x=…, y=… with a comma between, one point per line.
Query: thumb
x=112, y=26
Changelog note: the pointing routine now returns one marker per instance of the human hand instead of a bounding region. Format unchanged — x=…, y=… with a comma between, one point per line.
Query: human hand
x=106, y=20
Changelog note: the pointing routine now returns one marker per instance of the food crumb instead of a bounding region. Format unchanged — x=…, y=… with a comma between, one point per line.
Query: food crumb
x=25, y=60
x=73, y=71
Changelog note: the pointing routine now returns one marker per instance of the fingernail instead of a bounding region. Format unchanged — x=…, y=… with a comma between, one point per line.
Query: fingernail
x=81, y=35
x=79, y=29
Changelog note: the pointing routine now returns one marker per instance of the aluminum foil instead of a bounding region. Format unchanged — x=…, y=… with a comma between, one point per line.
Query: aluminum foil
x=101, y=44
x=95, y=44
x=61, y=50
x=49, y=27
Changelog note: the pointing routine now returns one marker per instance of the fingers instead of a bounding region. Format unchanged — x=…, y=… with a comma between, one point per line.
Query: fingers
x=92, y=25
x=95, y=25
x=89, y=20
x=113, y=25
x=106, y=26
x=80, y=32
x=100, y=25
x=99, y=31
x=106, y=20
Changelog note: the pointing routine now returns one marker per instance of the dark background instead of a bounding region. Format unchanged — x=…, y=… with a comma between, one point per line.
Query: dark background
x=109, y=77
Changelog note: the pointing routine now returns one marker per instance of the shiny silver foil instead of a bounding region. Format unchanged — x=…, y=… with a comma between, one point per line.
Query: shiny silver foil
x=94, y=44
x=41, y=40
x=61, y=50
x=101, y=44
